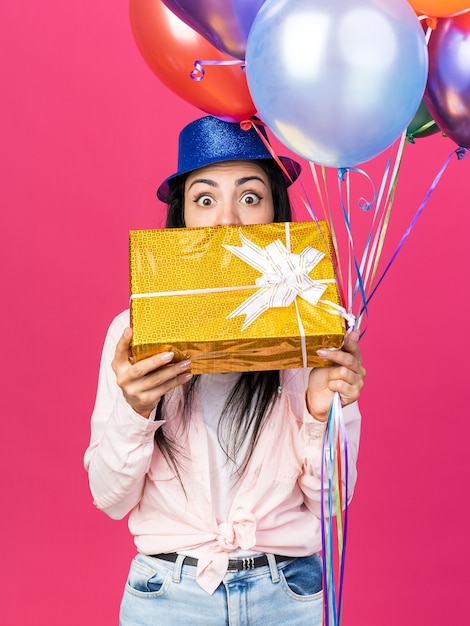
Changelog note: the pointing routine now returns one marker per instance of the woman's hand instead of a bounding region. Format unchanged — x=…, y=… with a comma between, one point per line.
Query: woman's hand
x=145, y=382
x=346, y=376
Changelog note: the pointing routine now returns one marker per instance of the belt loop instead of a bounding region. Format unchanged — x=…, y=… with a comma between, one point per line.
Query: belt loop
x=177, y=568
x=273, y=568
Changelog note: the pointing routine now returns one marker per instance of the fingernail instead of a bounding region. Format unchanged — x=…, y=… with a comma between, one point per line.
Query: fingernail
x=323, y=353
x=167, y=356
x=127, y=332
x=185, y=364
x=187, y=377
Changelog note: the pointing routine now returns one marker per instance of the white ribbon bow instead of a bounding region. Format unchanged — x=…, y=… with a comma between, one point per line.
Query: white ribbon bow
x=285, y=276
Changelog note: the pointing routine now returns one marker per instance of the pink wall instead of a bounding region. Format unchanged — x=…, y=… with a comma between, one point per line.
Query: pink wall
x=87, y=132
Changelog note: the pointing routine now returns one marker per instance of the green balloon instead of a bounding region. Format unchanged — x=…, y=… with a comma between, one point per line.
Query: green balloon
x=423, y=124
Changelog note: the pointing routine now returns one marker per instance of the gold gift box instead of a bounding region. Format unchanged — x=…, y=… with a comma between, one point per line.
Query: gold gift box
x=185, y=284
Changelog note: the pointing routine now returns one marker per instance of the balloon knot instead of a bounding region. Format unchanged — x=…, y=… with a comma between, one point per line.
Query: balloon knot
x=253, y=122
x=461, y=152
x=246, y=124
x=432, y=22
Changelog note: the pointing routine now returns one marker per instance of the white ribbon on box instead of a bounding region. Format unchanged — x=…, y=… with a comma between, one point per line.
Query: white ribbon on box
x=285, y=276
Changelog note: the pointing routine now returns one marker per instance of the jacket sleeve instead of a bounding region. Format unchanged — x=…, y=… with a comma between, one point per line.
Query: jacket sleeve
x=122, y=441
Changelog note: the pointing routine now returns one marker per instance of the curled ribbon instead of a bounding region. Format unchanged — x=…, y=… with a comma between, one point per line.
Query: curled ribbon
x=285, y=276
x=198, y=72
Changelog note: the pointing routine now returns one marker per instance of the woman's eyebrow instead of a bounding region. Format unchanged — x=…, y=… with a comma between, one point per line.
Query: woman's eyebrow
x=204, y=181
x=245, y=179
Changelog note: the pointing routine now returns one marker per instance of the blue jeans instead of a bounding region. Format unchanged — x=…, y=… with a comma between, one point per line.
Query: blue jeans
x=160, y=593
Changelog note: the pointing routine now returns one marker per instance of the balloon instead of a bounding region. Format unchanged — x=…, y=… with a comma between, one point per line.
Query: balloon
x=225, y=23
x=337, y=81
x=423, y=124
x=448, y=90
x=170, y=48
x=439, y=8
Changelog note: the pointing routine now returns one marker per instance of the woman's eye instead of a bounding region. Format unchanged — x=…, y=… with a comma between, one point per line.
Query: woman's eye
x=251, y=198
x=204, y=200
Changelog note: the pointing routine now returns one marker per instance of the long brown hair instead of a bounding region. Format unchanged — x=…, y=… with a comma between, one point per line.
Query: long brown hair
x=253, y=396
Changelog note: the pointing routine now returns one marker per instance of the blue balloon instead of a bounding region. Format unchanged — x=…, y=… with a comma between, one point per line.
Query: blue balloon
x=336, y=81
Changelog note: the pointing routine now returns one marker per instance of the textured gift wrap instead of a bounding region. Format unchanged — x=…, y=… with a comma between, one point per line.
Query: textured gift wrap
x=235, y=298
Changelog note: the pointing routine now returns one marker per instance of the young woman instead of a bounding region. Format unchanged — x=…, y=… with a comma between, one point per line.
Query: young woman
x=220, y=473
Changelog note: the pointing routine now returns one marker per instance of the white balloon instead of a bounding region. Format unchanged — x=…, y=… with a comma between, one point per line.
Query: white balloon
x=337, y=81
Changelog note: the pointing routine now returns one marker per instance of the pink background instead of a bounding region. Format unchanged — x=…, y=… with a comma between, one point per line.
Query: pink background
x=87, y=133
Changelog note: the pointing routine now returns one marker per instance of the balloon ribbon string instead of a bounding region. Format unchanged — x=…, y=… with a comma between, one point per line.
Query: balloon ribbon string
x=342, y=176
x=385, y=217
x=252, y=123
x=367, y=268
x=324, y=528
x=336, y=503
x=460, y=152
x=326, y=207
x=198, y=72
x=344, y=507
